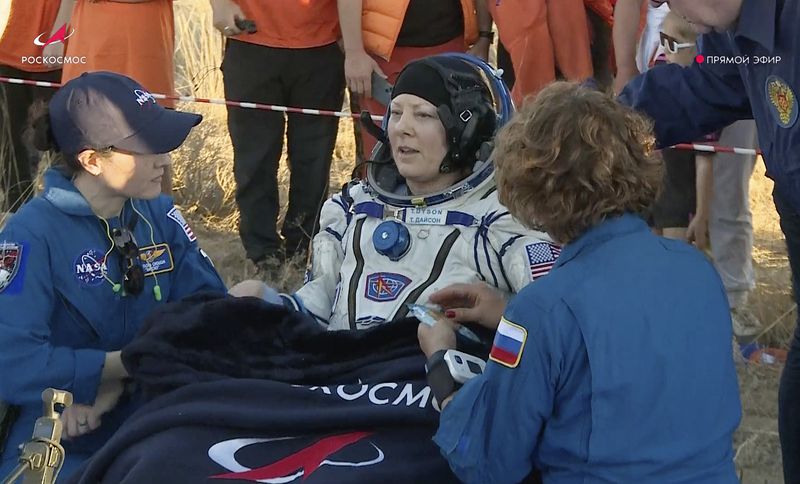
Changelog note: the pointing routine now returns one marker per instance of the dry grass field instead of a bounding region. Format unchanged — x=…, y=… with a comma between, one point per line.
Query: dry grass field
x=204, y=188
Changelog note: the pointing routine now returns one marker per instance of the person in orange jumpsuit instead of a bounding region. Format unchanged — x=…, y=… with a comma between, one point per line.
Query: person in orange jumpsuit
x=545, y=38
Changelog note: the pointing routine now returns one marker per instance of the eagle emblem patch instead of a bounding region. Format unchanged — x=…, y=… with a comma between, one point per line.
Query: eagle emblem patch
x=782, y=101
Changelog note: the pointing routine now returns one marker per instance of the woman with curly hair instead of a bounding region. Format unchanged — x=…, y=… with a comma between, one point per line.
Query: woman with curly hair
x=616, y=366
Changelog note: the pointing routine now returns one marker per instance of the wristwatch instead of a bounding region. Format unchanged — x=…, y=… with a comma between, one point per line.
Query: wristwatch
x=487, y=34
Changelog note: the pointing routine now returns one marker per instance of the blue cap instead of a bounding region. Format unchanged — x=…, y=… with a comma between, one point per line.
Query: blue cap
x=99, y=110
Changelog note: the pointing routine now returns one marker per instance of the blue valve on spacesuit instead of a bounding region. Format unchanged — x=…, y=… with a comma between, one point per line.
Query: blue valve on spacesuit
x=392, y=239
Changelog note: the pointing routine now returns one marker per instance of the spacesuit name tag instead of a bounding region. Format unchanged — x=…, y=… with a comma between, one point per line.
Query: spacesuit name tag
x=425, y=216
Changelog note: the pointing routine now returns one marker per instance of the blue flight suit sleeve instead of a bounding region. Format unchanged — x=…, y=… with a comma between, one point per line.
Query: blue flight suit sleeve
x=687, y=103
x=194, y=271
x=30, y=363
x=490, y=430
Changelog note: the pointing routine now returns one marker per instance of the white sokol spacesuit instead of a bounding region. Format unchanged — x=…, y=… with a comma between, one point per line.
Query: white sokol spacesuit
x=379, y=248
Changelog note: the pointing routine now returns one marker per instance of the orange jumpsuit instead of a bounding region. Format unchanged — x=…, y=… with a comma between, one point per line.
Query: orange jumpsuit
x=542, y=36
x=134, y=39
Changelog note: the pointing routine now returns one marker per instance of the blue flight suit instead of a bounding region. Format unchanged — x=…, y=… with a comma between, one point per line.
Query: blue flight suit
x=687, y=102
x=626, y=373
x=60, y=315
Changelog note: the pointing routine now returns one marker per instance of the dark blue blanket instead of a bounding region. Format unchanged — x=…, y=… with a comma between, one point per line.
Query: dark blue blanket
x=242, y=391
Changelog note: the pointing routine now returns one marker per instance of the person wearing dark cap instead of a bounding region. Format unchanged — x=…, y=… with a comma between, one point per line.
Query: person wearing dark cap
x=427, y=215
x=83, y=264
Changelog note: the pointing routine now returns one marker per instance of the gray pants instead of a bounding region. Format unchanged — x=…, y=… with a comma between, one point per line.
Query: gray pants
x=731, y=223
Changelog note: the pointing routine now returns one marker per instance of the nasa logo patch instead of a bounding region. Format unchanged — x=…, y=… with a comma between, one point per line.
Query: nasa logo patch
x=89, y=267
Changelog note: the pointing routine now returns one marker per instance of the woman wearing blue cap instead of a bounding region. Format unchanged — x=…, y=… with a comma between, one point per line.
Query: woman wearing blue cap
x=85, y=262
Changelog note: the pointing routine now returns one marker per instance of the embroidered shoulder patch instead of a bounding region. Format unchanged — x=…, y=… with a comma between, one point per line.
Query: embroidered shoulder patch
x=782, y=101
x=156, y=259
x=541, y=258
x=89, y=267
x=11, y=264
x=175, y=215
x=385, y=286
x=509, y=341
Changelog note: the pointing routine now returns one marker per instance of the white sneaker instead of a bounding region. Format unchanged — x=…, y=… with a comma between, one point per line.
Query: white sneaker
x=745, y=323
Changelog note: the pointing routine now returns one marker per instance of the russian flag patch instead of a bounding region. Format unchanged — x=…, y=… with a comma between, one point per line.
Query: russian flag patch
x=509, y=341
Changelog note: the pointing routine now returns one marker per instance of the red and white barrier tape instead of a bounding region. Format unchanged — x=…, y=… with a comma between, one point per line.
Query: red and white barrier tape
x=192, y=99
x=717, y=149
x=342, y=114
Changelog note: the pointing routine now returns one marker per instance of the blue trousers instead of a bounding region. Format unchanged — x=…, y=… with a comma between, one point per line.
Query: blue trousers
x=789, y=394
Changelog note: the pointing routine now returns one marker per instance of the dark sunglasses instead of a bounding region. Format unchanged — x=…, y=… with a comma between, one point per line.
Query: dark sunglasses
x=671, y=44
x=133, y=274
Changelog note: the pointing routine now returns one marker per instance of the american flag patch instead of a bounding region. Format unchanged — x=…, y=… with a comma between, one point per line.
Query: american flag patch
x=541, y=257
x=175, y=215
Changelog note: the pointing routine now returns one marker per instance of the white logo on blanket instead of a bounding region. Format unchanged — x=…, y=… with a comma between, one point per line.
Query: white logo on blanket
x=306, y=459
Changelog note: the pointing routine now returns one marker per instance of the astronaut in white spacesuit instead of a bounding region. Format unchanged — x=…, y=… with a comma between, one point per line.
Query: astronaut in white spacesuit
x=427, y=215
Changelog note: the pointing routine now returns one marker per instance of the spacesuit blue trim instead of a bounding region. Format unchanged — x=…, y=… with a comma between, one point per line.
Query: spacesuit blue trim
x=334, y=233
x=502, y=252
x=508, y=243
x=494, y=218
x=503, y=273
x=484, y=234
x=475, y=252
x=345, y=206
x=371, y=209
x=460, y=218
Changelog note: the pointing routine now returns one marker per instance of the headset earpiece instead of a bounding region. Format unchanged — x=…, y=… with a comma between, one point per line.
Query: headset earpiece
x=451, y=131
x=469, y=131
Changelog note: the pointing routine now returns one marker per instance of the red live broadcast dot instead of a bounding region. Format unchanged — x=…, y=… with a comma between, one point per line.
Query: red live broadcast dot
x=700, y=59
